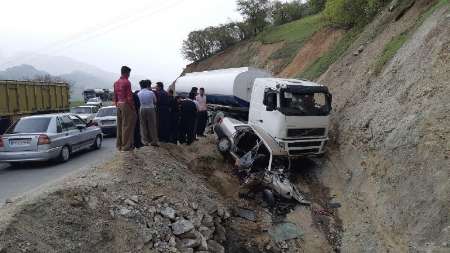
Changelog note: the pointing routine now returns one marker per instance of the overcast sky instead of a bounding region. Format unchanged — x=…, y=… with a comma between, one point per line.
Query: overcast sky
x=145, y=34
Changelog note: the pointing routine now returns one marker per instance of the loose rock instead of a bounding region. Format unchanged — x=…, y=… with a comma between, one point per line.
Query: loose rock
x=182, y=226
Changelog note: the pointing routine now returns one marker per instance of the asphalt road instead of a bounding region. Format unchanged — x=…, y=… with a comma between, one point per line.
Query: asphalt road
x=15, y=181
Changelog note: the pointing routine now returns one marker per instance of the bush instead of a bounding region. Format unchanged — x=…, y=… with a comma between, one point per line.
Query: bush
x=348, y=13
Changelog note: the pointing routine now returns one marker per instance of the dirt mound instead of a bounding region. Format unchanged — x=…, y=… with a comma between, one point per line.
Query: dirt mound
x=317, y=45
x=148, y=203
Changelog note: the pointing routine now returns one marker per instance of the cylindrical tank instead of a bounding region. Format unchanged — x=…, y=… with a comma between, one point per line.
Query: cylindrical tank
x=231, y=87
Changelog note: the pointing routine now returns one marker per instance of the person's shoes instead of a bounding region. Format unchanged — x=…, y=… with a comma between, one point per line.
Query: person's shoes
x=202, y=135
x=155, y=144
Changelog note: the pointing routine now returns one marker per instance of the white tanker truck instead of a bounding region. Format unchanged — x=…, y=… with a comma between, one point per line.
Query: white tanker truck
x=295, y=113
x=287, y=118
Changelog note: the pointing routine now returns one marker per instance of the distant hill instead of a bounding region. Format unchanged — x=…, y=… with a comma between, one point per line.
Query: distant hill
x=21, y=72
x=81, y=75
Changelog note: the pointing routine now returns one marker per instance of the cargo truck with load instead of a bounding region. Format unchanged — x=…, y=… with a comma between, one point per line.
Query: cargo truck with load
x=23, y=98
x=295, y=113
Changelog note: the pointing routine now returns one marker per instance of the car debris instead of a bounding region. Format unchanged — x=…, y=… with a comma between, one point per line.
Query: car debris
x=259, y=160
x=246, y=214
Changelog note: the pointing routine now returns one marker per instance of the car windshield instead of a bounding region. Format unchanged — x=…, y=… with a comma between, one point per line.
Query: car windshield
x=104, y=112
x=312, y=104
x=29, y=125
x=81, y=110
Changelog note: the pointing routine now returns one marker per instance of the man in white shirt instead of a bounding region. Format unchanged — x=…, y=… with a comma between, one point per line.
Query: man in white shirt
x=147, y=114
x=202, y=112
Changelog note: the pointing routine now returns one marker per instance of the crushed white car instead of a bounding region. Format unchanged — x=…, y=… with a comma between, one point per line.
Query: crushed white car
x=259, y=158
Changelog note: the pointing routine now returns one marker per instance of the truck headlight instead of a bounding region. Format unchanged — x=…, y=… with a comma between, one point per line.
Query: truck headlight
x=282, y=145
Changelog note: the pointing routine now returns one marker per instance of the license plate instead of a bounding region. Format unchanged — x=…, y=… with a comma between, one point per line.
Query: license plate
x=108, y=122
x=20, y=142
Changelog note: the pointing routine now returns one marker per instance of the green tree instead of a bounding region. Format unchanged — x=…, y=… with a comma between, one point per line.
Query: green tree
x=287, y=12
x=315, y=6
x=255, y=12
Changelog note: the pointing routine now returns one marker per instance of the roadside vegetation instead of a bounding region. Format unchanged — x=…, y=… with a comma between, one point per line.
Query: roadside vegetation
x=259, y=16
x=398, y=41
x=390, y=50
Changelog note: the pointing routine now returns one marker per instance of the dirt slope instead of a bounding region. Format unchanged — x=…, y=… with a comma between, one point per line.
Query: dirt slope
x=389, y=160
x=320, y=43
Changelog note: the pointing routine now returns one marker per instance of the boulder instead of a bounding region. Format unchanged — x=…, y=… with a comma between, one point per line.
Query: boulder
x=168, y=212
x=215, y=247
x=182, y=226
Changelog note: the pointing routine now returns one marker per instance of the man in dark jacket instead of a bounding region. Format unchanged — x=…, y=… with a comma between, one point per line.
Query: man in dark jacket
x=137, y=129
x=188, y=117
x=174, y=116
x=163, y=113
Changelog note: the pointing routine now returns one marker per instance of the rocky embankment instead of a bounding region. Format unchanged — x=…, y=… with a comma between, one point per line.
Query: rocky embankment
x=170, y=199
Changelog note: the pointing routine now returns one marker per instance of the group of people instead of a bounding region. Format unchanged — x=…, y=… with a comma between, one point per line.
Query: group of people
x=148, y=117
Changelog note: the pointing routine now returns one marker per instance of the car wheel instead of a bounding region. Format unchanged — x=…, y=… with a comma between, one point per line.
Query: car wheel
x=97, y=142
x=65, y=154
x=224, y=145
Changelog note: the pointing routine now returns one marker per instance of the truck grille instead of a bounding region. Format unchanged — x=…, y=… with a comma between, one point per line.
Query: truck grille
x=304, y=144
x=304, y=151
x=306, y=132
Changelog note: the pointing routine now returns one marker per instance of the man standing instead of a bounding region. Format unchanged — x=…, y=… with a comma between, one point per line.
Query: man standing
x=163, y=113
x=188, y=115
x=126, y=115
x=147, y=114
x=202, y=113
x=174, y=116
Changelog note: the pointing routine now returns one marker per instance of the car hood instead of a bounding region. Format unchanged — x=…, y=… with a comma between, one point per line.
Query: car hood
x=84, y=116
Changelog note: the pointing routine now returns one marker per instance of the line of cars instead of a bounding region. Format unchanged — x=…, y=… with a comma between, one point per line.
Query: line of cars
x=57, y=136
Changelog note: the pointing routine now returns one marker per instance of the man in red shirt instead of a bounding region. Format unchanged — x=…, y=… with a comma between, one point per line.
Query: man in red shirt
x=126, y=113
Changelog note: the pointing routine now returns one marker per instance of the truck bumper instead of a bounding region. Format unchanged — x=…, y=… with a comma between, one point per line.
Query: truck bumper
x=30, y=156
x=304, y=147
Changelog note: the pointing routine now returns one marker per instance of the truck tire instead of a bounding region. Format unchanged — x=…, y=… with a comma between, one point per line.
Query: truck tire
x=224, y=145
x=65, y=154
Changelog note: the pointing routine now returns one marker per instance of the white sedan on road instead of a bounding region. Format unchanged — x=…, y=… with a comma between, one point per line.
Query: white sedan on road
x=106, y=119
x=86, y=112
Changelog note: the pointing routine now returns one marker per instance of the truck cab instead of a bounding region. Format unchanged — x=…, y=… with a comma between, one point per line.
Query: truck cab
x=294, y=112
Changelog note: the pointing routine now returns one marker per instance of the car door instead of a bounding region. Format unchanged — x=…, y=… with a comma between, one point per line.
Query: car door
x=86, y=135
x=72, y=133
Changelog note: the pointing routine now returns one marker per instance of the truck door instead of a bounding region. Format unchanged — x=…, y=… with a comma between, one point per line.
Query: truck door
x=269, y=115
x=256, y=105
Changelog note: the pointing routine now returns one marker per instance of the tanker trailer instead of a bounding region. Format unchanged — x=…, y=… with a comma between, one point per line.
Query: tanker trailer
x=227, y=90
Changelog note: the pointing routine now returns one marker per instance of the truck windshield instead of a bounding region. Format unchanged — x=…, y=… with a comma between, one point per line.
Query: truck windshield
x=311, y=104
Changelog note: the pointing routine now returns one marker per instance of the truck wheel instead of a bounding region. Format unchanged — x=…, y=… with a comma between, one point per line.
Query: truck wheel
x=224, y=145
x=65, y=154
x=98, y=142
